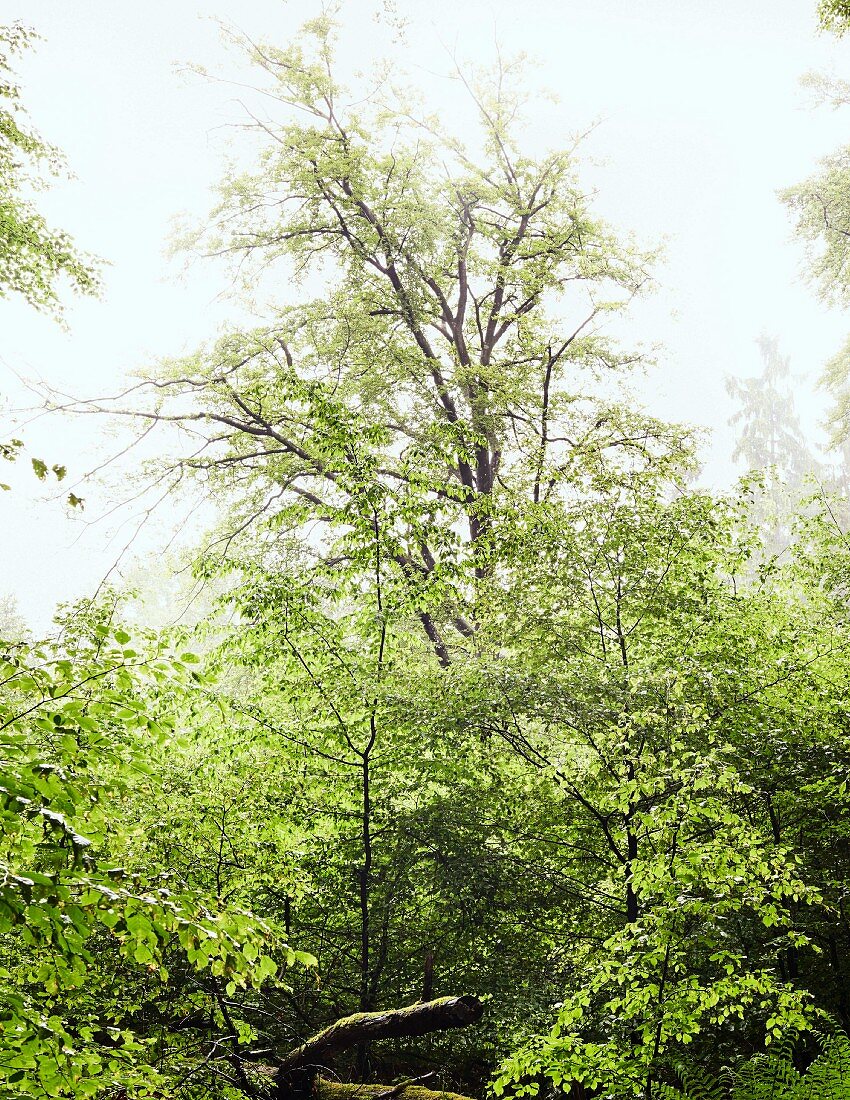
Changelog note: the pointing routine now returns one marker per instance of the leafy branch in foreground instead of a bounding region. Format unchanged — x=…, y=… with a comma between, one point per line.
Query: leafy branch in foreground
x=73, y=722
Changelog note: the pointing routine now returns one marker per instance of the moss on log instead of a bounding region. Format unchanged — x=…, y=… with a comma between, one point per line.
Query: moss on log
x=397, y=1023
x=295, y=1073
x=337, y=1090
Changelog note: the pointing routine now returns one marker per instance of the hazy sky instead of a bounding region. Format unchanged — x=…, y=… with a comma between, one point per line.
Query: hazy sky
x=701, y=117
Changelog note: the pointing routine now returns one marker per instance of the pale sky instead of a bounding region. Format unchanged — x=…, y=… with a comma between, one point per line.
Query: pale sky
x=702, y=120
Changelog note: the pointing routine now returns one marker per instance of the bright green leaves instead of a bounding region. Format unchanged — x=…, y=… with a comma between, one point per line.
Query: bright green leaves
x=658, y=687
x=33, y=256
x=441, y=377
x=41, y=471
x=75, y=722
x=834, y=15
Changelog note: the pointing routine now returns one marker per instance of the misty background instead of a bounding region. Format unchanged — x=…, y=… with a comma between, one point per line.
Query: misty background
x=694, y=117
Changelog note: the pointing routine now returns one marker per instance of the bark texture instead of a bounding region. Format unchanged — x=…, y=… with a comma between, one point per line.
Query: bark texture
x=297, y=1071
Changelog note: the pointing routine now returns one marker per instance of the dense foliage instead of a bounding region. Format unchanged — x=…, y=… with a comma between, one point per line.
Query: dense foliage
x=77, y=721
x=494, y=700
x=773, y=1075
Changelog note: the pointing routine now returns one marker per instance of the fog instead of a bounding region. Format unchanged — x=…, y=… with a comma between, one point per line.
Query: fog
x=695, y=116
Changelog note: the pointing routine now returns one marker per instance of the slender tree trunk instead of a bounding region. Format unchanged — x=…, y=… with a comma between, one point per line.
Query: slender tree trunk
x=789, y=960
x=365, y=877
x=840, y=983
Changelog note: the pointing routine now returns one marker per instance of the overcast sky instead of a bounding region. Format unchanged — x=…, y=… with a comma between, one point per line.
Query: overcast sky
x=701, y=118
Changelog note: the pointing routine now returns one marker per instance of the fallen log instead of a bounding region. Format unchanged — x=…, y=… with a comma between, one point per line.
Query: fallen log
x=353, y=1090
x=397, y=1023
x=296, y=1072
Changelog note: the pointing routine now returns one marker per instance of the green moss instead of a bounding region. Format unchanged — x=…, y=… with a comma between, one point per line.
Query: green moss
x=336, y=1090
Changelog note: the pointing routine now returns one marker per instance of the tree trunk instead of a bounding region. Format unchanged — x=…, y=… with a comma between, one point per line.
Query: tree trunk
x=296, y=1072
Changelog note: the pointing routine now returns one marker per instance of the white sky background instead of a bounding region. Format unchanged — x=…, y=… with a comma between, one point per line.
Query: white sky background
x=702, y=120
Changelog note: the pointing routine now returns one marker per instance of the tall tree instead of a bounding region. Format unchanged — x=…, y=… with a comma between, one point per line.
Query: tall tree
x=771, y=443
x=770, y=432
x=508, y=669
x=447, y=361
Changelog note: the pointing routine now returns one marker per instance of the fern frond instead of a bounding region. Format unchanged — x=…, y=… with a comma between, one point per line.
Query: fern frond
x=695, y=1085
x=828, y=1077
x=766, y=1077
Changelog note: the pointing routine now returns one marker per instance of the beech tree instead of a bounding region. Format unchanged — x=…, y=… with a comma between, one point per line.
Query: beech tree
x=446, y=364
x=498, y=672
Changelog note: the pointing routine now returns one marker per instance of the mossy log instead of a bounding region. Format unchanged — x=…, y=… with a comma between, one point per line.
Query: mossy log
x=344, y=1090
x=296, y=1072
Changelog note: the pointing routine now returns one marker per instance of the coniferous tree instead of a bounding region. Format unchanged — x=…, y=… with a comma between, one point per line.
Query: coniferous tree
x=771, y=443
